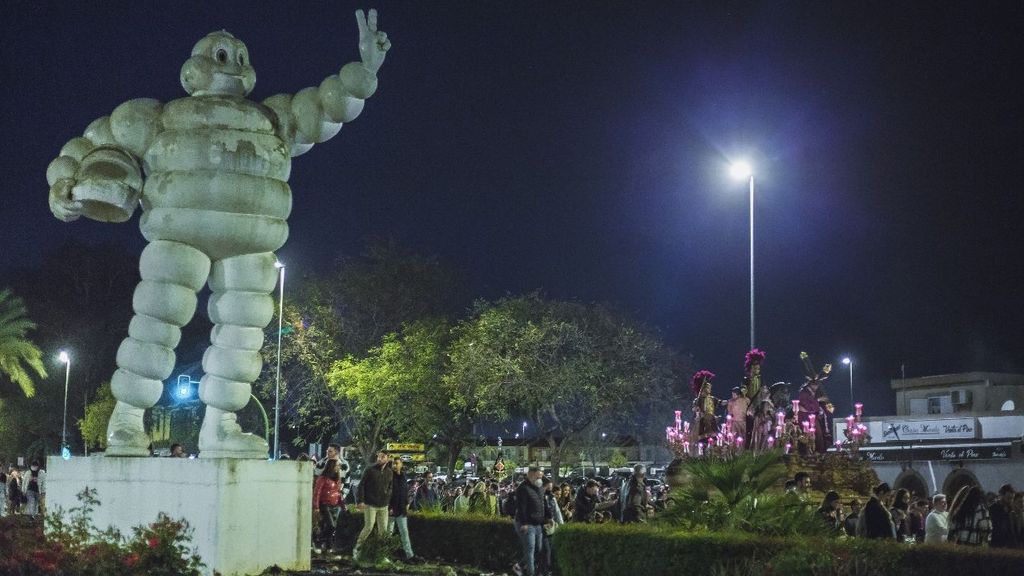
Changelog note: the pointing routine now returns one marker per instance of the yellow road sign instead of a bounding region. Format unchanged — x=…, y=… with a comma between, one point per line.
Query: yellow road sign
x=398, y=447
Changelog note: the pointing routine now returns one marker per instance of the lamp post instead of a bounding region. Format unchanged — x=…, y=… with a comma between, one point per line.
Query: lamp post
x=277, y=389
x=66, y=359
x=849, y=363
x=742, y=171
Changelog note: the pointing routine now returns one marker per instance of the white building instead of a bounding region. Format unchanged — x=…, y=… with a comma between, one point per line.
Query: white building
x=950, y=431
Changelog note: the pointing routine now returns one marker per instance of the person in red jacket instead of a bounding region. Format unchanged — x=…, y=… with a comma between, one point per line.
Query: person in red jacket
x=327, y=499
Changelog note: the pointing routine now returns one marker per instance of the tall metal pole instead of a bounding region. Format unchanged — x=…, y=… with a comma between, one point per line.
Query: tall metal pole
x=751, y=261
x=67, y=378
x=851, y=382
x=277, y=392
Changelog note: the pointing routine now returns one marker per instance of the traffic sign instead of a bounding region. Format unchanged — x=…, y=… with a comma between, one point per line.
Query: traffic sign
x=397, y=447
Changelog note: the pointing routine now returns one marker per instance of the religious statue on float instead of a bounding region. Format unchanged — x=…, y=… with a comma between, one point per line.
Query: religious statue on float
x=704, y=406
x=811, y=406
x=210, y=171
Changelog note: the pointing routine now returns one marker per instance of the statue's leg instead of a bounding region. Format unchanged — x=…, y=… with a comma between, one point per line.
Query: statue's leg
x=164, y=301
x=240, y=307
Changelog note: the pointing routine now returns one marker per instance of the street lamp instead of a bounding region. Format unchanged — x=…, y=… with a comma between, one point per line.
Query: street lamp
x=742, y=171
x=849, y=363
x=277, y=389
x=66, y=359
x=524, y=429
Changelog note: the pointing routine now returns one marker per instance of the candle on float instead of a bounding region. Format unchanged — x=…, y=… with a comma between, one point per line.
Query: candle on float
x=780, y=417
x=686, y=447
x=811, y=418
x=849, y=421
x=771, y=441
x=788, y=447
x=700, y=449
x=839, y=445
x=728, y=417
x=739, y=441
x=778, y=430
x=796, y=406
x=859, y=409
x=686, y=427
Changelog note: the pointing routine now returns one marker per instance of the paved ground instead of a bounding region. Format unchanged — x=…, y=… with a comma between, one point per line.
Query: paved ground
x=325, y=565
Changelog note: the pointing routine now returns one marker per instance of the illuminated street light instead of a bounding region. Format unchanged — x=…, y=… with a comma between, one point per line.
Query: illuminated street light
x=277, y=389
x=66, y=359
x=742, y=170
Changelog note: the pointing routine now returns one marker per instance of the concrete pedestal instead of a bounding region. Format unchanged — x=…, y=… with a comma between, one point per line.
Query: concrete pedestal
x=247, y=514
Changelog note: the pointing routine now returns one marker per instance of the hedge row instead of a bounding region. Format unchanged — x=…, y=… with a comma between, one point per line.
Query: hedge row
x=612, y=550
x=482, y=541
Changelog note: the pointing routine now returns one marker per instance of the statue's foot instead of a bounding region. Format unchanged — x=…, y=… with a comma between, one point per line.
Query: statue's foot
x=222, y=437
x=126, y=435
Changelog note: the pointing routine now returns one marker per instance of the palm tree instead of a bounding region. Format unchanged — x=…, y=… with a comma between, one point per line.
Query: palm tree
x=19, y=357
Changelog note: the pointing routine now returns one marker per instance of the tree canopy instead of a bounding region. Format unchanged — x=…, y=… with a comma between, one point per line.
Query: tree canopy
x=20, y=359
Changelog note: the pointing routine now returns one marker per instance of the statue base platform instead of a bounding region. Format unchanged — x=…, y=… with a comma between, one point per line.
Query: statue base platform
x=247, y=515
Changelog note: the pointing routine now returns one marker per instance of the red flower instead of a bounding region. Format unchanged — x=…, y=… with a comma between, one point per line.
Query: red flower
x=131, y=560
x=154, y=542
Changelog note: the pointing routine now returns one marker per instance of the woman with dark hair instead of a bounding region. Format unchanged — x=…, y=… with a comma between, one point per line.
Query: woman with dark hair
x=327, y=500
x=969, y=521
x=900, y=509
x=831, y=511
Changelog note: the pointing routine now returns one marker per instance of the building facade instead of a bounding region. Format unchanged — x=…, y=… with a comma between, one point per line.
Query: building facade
x=949, y=431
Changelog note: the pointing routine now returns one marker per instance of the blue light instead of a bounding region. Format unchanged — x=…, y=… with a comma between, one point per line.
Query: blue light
x=184, y=391
x=65, y=453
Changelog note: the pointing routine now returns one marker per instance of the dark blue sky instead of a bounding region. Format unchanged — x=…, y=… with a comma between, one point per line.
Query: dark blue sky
x=581, y=147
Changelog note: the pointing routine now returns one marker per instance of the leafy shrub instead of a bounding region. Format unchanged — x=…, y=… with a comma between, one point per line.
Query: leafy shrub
x=377, y=547
x=739, y=493
x=72, y=546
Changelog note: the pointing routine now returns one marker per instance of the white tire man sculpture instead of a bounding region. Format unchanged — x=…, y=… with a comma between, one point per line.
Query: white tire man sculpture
x=211, y=172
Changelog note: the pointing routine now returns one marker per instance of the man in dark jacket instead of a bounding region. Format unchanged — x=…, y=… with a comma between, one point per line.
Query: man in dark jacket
x=1000, y=511
x=588, y=503
x=426, y=496
x=373, y=498
x=399, y=508
x=530, y=518
x=634, y=507
x=875, y=520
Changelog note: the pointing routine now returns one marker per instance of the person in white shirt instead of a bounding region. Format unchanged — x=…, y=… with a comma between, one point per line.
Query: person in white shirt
x=936, y=526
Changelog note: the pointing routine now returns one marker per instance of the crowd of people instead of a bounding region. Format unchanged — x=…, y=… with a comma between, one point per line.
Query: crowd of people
x=386, y=492
x=972, y=518
x=22, y=491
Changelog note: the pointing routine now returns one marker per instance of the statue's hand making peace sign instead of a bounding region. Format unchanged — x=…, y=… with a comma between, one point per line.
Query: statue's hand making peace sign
x=373, y=44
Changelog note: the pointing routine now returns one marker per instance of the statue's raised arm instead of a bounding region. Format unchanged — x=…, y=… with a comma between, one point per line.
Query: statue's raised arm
x=315, y=115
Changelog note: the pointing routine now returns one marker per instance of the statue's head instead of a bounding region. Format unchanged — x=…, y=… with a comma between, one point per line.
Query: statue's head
x=219, y=65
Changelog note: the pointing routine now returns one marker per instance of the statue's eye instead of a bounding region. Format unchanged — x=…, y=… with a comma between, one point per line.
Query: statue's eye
x=241, y=59
x=221, y=55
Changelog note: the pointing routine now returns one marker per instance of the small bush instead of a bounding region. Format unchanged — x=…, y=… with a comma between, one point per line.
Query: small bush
x=475, y=540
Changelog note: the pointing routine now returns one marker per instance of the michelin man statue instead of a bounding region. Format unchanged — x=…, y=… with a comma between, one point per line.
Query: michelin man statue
x=210, y=171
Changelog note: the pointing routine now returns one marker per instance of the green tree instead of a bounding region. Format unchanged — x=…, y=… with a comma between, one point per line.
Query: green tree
x=346, y=313
x=19, y=356
x=97, y=413
x=564, y=365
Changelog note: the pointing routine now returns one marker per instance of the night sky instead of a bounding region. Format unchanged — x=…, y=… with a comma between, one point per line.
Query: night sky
x=582, y=148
